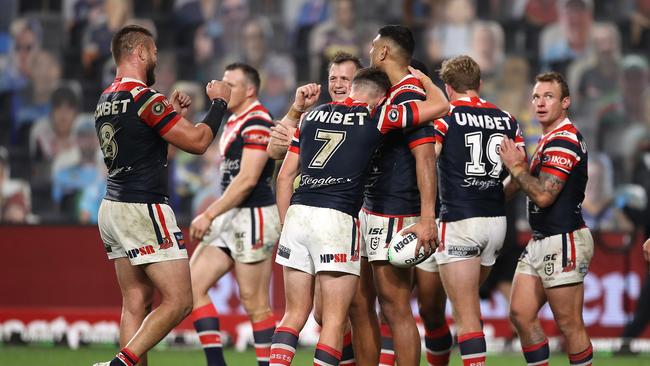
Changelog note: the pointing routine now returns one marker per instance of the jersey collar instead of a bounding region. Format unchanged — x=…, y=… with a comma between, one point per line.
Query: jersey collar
x=129, y=80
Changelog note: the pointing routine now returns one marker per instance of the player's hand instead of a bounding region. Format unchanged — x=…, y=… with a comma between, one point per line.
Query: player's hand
x=424, y=78
x=646, y=250
x=200, y=227
x=218, y=89
x=282, y=135
x=427, y=233
x=306, y=96
x=511, y=154
x=180, y=101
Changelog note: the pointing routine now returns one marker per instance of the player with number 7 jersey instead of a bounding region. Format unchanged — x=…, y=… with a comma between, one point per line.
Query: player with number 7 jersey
x=332, y=149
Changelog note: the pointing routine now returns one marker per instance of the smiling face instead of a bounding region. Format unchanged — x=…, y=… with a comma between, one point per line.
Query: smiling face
x=549, y=105
x=339, y=82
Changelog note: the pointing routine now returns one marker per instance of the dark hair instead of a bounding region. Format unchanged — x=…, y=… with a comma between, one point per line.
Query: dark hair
x=64, y=95
x=341, y=57
x=462, y=73
x=554, y=76
x=249, y=72
x=401, y=36
x=127, y=38
x=419, y=65
x=374, y=77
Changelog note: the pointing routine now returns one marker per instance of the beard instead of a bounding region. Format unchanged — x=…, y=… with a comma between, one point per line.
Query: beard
x=151, y=76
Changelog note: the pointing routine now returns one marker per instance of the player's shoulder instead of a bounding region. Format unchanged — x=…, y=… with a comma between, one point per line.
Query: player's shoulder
x=409, y=87
x=258, y=114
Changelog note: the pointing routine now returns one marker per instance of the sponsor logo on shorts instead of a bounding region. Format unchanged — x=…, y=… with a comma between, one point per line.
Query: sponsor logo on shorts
x=376, y=231
x=166, y=243
x=461, y=251
x=374, y=242
x=550, y=257
x=284, y=252
x=583, y=268
x=239, y=241
x=336, y=258
x=180, y=240
x=407, y=239
x=145, y=250
x=549, y=268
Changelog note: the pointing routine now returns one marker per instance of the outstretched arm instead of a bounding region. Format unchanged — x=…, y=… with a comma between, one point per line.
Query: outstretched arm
x=436, y=104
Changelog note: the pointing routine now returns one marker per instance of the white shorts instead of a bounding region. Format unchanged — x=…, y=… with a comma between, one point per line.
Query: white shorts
x=559, y=259
x=378, y=231
x=145, y=233
x=476, y=237
x=317, y=239
x=247, y=234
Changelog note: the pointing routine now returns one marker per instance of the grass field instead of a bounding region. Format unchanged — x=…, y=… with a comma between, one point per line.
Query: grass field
x=59, y=356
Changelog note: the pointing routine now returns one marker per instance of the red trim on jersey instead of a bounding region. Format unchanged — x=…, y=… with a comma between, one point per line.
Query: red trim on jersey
x=405, y=91
x=438, y=139
x=161, y=217
x=409, y=79
x=255, y=147
x=260, y=225
x=229, y=136
x=349, y=102
x=555, y=172
x=294, y=149
x=473, y=102
x=573, y=141
x=421, y=141
x=170, y=124
x=416, y=113
x=388, y=216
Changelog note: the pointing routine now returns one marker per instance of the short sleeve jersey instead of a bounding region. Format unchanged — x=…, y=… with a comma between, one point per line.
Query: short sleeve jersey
x=249, y=130
x=392, y=187
x=562, y=153
x=336, y=142
x=130, y=120
x=471, y=172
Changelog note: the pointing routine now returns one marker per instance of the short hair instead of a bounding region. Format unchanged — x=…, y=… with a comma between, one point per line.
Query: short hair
x=127, y=38
x=462, y=73
x=401, y=37
x=341, y=57
x=554, y=76
x=250, y=73
x=372, y=77
x=64, y=95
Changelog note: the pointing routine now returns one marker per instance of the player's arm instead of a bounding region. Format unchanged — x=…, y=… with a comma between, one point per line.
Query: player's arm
x=195, y=138
x=510, y=187
x=542, y=190
x=436, y=105
x=284, y=184
x=241, y=186
x=425, y=167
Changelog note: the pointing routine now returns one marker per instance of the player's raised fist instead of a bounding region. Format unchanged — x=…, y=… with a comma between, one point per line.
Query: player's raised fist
x=218, y=89
x=180, y=101
x=306, y=96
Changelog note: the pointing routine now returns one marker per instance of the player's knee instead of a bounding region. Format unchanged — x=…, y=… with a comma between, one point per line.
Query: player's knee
x=520, y=318
x=569, y=325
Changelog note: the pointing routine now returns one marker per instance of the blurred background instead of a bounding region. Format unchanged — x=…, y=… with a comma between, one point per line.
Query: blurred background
x=55, y=60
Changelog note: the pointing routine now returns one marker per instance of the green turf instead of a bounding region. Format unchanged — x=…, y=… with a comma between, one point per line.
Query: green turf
x=58, y=356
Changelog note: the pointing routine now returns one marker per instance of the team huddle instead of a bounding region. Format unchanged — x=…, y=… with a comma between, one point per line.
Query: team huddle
x=369, y=166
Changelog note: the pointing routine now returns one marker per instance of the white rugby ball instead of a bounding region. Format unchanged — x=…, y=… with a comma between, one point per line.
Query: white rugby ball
x=401, y=251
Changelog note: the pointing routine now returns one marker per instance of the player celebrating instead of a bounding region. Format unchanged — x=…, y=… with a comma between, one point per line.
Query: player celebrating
x=472, y=212
x=321, y=236
x=243, y=223
x=556, y=259
x=401, y=191
x=134, y=124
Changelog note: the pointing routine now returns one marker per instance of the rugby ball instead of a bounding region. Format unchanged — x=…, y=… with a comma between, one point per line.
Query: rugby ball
x=401, y=251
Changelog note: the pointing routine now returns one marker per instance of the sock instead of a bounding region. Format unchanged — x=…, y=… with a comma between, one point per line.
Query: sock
x=387, y=355
x=537, y=354
x=124, y=358
x=438, y=343
x=262, y=333
x=347, y=355
x=206, y=323
x=472, y=348
x=283, y=346
x=582, y=358
x=326, y=356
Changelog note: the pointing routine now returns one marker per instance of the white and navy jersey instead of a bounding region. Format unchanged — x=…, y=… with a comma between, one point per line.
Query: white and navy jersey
x=471, y=172
x=392, y=187
x=335, y=142
x=130, y=120
x=563, y=153
x=250, y=129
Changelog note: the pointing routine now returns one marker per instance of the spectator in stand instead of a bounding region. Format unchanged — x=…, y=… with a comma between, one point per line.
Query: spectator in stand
x=206, y=55
x=14, y=194
x=635, y=29
x=166, y=74
x=451, y=33
x=311, y=13
x=489, y=52
x=233, y=14
x=44, y=79
x=570, y=38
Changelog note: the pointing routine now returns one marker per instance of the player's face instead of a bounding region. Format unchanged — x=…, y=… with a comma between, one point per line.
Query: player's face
x=152, y=59
x=238, y=86
x=548, y=103
x=339, y=81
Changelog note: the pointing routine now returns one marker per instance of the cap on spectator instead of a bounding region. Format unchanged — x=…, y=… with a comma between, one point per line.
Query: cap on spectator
x=635, y=62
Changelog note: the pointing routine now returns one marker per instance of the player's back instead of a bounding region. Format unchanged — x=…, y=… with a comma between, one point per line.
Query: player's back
x=471, y=171
x=130, y=119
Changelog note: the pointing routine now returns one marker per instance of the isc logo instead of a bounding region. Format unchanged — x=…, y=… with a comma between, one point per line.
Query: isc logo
x=336, y=258
x=375, y=231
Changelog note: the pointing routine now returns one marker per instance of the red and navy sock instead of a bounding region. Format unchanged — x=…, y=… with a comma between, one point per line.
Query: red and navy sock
x=537, y=354
x=283, y=346
x=326, y=356
x=262, y=334
x=206, y=323
x=438, y=343
x=387, y=355
x=347, y=355
x=125, y=358
x=472, y=348
x=582, y=358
